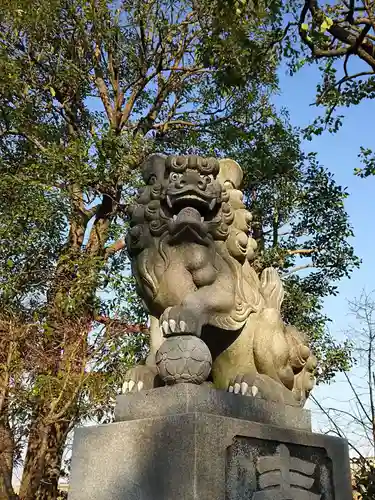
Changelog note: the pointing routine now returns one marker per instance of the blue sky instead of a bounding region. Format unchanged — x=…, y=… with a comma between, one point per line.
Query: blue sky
x=339, y=153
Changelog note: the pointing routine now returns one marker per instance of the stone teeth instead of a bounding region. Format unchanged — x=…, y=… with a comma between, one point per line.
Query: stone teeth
x=165, y=327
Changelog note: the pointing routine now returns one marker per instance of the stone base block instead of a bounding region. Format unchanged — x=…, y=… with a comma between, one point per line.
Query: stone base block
x=206, y=456
x=190, y=398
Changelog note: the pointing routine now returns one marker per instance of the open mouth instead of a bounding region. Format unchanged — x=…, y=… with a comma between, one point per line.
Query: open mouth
x=177, y=203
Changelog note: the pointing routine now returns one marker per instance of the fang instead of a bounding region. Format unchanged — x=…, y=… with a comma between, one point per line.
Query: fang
x=212, y=204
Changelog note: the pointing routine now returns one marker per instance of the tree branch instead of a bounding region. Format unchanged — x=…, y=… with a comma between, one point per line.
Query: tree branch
x=116, y=247
x=102, y=87
x=335, y=426
x=302, y=251
x=358, y=399
x=298, y=268
x=353, y=43
x=120, y=324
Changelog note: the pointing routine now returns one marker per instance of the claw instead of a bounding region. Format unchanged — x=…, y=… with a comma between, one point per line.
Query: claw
x=131, y=385
x=237, y=388
x=230, y=389
x=140, y=385
x=244, y=388
x=254, y=390
x=183, y=326
x=172, y=325
x=125, y=387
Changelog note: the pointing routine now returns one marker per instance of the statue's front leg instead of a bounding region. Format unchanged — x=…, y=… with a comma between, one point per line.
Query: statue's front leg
x=182, y=320
x=195, y=310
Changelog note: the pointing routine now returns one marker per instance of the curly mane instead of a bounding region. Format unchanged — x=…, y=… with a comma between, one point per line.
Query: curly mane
x=228, y=233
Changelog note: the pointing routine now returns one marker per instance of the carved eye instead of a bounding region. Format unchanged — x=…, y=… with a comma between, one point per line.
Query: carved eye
x=174, y=176
x=208, y=179
x=152, y=179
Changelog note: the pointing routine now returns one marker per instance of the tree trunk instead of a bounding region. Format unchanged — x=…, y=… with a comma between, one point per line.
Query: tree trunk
x=48, y=488
x=6, y=461
x=35, y=458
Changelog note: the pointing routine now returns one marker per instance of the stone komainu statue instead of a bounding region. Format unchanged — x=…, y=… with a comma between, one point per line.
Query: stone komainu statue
x=191, y=256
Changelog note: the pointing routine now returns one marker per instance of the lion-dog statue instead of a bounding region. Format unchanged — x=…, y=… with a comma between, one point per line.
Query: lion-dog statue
x=191, y=255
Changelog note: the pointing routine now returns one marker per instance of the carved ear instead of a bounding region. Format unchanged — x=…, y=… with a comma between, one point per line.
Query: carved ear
x=230, y=171
x=154, y=165
x=272, y=288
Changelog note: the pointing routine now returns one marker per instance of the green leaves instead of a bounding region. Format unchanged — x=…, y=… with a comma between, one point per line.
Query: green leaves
x=326, y=24
x=367, y=156
x=86, y=92
x=301, y=227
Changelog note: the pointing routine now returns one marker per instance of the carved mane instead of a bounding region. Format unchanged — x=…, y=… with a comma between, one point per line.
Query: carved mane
x=228, y=234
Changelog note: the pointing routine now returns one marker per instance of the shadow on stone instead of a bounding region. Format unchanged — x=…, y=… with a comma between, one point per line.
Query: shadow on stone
x=196, y=443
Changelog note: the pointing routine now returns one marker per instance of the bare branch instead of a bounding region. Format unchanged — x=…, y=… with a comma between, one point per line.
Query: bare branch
x=297, y=268
x=353, y=44
x=335, y=426
x=302, y=251
x=358, y=399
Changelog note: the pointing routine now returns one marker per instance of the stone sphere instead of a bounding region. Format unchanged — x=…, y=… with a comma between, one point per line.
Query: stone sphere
x=183, y=358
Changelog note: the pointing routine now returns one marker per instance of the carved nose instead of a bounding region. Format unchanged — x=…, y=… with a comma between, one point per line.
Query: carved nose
x=202, y=184
x=192, y=179
x=180, y=183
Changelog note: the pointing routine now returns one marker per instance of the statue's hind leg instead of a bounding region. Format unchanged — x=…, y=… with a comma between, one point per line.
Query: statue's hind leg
x=237, y=369
x=237, y=358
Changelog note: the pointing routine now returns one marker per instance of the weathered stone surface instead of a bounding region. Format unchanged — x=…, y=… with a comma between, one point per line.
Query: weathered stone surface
x=186, y=398
x=192, y=255
x=183, y=358
x=197, y=456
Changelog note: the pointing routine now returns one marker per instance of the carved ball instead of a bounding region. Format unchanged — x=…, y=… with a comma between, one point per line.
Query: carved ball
x=183, y=359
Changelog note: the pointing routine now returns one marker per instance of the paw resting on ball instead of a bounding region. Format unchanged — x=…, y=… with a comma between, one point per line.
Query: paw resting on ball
x=179, y=320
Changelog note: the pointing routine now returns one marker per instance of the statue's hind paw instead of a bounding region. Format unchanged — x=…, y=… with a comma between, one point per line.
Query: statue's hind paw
x=244, y=385
x=262, y=386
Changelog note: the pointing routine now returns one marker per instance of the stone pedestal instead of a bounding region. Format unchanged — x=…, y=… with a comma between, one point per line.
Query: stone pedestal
x=195, y=443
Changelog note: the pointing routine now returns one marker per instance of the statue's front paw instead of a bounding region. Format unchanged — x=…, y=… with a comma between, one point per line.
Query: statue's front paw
x=178, y=320
x=244, y=385
x=140, y=378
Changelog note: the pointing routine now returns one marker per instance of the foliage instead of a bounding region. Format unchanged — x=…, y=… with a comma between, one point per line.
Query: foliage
x=87, y=90
x=302, y=228
x=363, y=479
x=340, y=37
